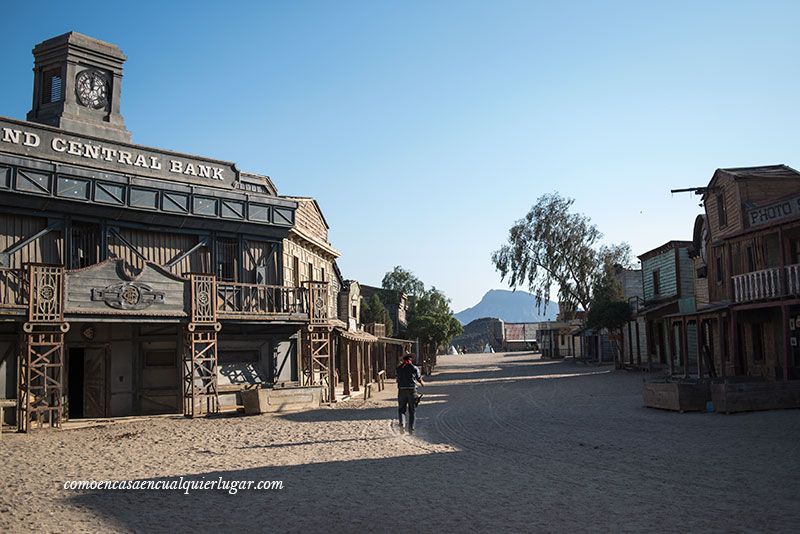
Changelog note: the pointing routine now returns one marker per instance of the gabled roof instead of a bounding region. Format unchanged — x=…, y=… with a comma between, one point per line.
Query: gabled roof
x=316, y=205
x=669, y=245
x=762, y=172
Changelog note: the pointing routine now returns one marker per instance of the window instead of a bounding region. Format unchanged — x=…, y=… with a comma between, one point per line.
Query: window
x=52, y=87
x=85, y=245
x=295, y=271
x=227, y=259
x=720, y=272
x=310, y=271
x=656, y=281
x=751, y=260
x=722, y=215
x=757, y=331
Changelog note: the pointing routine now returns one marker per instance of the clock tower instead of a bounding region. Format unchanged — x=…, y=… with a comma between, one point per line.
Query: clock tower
x=77, y=85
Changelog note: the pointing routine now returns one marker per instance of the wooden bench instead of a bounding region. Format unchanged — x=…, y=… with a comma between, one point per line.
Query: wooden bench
x=4, y=405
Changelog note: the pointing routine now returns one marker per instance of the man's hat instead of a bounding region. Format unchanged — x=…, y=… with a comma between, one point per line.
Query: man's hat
x=408, y=357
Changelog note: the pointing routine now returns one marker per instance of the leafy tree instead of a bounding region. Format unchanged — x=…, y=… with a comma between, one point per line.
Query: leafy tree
x=608, y=309
x=373, y=311
x=400, y=280
x=431, y=320
x=552, y=248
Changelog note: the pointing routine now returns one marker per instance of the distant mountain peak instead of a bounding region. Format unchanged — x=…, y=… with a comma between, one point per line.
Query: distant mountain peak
x=509, y=306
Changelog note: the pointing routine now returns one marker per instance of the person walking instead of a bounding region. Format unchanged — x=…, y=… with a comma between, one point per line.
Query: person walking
x=407, y=378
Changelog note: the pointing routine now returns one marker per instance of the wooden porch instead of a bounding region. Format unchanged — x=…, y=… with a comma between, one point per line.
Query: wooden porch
x=767, y=284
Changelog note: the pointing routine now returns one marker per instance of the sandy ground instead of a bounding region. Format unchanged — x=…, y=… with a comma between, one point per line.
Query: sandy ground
x=504, y=443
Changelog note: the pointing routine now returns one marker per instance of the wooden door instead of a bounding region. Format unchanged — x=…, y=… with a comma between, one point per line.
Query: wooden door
x=94, y=382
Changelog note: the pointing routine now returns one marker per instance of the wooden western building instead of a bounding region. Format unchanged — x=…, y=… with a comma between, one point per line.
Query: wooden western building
x=747, y=270
x=137, y=280
x=742, y=324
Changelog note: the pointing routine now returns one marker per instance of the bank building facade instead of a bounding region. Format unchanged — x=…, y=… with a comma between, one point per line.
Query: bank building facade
x=136, y=280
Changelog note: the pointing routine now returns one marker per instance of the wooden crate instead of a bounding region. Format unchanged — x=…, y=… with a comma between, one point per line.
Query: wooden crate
x=675, y=396
x=752, y=396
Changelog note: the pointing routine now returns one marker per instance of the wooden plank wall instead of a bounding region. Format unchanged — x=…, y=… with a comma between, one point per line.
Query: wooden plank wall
x=160, y=248
x=665, y=262
x=727, y=187
x=293, y=249
x=48, y=249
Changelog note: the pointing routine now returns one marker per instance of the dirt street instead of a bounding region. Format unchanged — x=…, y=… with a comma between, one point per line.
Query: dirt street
x=504, y=442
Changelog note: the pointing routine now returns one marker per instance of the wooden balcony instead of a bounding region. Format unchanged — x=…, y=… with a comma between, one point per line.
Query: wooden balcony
x=767, y=284
x=310, y=303
x=13, y=290
x=242, y=301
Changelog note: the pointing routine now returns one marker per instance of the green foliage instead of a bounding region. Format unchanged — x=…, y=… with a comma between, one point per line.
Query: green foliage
x=608, y=308
x=400, y=280
x=373, y=311
x=431, y=319
x=608, y=314
x=554, y=249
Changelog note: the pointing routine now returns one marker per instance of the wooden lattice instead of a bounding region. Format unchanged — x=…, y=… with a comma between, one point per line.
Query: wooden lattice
x=203, y=298
x=200, y=394
x=318, y=300
x=317, y=362
x=41, y=370
x=46, y=294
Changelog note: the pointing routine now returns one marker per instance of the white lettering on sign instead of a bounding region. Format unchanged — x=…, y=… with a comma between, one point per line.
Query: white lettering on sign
x=778, y=210
x=99, y=152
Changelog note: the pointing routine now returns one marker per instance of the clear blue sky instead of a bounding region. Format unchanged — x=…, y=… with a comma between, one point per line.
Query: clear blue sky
x=425, y=129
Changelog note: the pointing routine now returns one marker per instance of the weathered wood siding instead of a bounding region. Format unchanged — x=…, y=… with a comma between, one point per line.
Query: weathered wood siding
x=160, y=248
x=258, y=254
x=321, y=266
x=309, y=220
x=46, y=249
x=665, y=263
x=726, y=186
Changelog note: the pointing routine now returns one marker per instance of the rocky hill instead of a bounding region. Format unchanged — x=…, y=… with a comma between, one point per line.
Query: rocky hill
x=509, y=306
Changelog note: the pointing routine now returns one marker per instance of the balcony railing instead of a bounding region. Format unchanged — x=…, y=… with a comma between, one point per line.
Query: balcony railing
x=13, y=289
x=767, y=284
x=237, y=300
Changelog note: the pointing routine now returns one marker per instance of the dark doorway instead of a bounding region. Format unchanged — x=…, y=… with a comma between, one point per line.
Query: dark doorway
x=75, y=380
x=87, y=382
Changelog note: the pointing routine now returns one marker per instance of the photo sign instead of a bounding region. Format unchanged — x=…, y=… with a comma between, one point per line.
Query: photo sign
x=26, y=139
x=777, y=210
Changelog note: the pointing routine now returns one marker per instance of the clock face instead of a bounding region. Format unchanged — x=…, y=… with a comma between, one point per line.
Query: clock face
x=92, y=89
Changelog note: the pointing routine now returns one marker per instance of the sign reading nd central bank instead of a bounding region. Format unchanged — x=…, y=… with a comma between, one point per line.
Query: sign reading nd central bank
x=26, y=139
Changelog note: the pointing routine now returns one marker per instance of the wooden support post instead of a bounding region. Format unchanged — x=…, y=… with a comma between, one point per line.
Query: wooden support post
x=787, y=348
x=671, y=341
x=638, y=345
x=356, y=367
x=685, y=346
x=700, y=352
x=734, y=344
x=346, y=367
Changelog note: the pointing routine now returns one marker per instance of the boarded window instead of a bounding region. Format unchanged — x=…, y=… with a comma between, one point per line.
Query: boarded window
x=719, y=269
x=722, y=215
x=656, y=281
